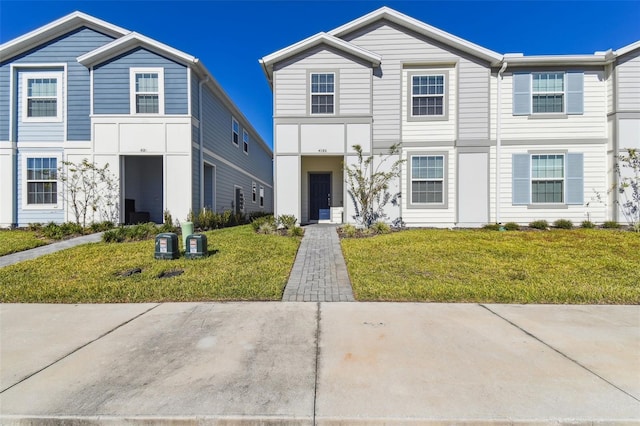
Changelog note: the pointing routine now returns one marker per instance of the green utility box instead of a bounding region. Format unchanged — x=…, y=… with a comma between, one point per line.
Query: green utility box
x=167, y=246
x=196, y=246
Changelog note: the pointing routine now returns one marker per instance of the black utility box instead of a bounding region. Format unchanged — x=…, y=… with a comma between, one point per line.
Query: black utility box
x=167, y=246
x=196, y=246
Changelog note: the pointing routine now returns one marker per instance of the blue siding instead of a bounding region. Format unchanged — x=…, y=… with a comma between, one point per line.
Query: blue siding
x=111, y=82
x=195, y=96
x=25, y=217
x=195, y=180
x=34, y=131
x=64, y=49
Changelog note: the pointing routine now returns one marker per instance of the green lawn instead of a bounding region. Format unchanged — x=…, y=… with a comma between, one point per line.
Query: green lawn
x=577, y=266
x=245, y=266
x=15, y=240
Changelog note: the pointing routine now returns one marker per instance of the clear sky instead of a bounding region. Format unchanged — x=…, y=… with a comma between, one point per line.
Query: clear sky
x=230, y=36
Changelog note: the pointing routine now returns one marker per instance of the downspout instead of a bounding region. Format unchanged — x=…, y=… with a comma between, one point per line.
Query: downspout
x=201, y=137
x=498, y=138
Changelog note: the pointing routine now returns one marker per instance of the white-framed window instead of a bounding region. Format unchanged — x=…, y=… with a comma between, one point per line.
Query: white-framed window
x=245, y=141
x=235, y=132
x=42, y=96
x=322, y=93
x=262, y=196
x=547, y=178
x=547, y=92
x=428, y=95
x=254, y=192
x=427, y=179
x=147, y=90
x=40, y=189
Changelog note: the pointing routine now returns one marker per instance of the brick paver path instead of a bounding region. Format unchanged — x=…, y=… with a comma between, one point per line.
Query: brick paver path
x=319, y=273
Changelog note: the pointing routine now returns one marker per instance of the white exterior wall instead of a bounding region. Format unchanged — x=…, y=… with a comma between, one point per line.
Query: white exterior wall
x=595, y=181
x=291, y=83
x=435, y=217
x=628, y=82
x=590, y=125
x=7, y=159
x=287, y=185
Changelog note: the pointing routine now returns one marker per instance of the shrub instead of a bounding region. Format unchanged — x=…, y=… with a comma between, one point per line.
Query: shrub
x=259, y=221
x=611, y=224
x=287, y=221
x=143, y=231
x=295, y=231
x=101, y=226
x=380, y=228
x=539, y=224
x=511, y=226
x=35, y=227
x=266, y=228
x=492, y=227
x=348, y=230
x=587, y=224
x=563, y=224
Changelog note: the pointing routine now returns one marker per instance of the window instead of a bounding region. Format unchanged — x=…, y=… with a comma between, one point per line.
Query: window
x=245, y=141
x=548, y=92
x=42, y=96
x=253, y=192
x=147, y=90
x=547, y=178
x=235, y=132
x=322, y=93
x=42, y=186
x=262, y=196
x=427, y=179
x=427, y=95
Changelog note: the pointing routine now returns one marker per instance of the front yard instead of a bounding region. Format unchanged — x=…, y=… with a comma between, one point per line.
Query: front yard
x=557, y=266
x=13, y=241
x=243, y=265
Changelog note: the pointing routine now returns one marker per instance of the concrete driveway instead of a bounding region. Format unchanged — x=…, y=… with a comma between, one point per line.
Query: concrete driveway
x=319, y=363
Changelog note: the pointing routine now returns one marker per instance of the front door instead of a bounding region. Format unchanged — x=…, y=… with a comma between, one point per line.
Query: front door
x=319, y=194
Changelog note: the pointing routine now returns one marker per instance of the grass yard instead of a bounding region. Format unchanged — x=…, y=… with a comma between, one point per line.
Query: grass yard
x=245, y=266
x=15, y=240
x=577, y=266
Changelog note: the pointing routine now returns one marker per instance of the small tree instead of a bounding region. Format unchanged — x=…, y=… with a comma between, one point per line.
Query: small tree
x=368, y=186
x=628, y=186
x=89, y=189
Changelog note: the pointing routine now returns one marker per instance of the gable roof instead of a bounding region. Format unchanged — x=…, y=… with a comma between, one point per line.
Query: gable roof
x=421, y=28
x=317, y=40
x=56, y=29
x=129, y=42
x=628, y=48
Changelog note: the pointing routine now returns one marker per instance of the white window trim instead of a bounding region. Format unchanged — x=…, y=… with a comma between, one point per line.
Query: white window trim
x=254, y=192
x=563, y=179
x=311, y=94
x=245, y=141
x=25, y=206
x=564, y=92
x=443, y=95
x=445, y=181
x=234, y=124
x=60, y=100
x=132, y=89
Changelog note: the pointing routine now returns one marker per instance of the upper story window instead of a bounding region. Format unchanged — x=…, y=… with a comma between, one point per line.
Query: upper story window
x=245, y=141
x=548, y=92
x=235, y=131
x=427, y=95
x=147, y=90
x=322, y=93
x=42, y=96
x=41, y=180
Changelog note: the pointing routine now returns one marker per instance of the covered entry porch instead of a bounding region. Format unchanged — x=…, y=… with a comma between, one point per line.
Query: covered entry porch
x=323, y=192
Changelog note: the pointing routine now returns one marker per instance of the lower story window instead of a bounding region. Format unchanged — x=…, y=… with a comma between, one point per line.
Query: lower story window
x=262, y=196
x=253, y=192
x=42, y=186
x=547, y=178
x=427, y=179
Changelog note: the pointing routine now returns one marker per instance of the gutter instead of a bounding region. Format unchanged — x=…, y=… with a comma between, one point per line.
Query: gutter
x=498, y=138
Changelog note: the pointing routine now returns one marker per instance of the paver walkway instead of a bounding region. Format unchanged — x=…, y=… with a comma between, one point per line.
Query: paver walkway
x=319, y=273
x=10, y=259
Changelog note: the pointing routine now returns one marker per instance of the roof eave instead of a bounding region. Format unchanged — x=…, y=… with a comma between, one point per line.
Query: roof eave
x=559, y=60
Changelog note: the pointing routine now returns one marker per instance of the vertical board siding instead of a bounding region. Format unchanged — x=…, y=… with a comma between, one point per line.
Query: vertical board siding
x=64, y=49
x=291, y=89
x=628, y=77
x=111, y=82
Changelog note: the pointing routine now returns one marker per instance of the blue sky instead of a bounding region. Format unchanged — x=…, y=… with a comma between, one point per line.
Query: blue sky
x=230, y=36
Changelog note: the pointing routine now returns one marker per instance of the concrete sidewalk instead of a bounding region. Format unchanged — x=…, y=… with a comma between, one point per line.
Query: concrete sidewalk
x=319, y=363
x=33, y=253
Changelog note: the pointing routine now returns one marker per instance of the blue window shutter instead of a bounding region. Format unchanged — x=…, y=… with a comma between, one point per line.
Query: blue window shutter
x=521, y=94
x=575, y=92
x=575, y=178
x=521, y=179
